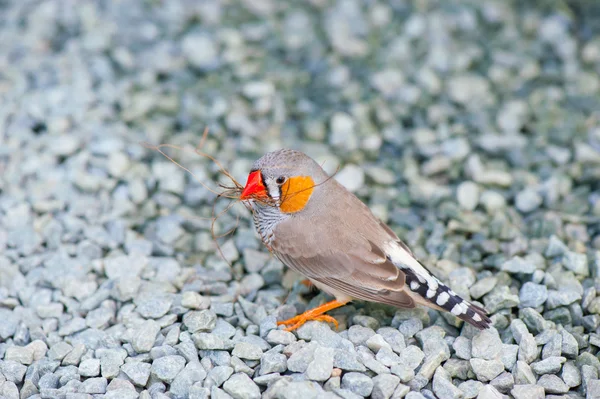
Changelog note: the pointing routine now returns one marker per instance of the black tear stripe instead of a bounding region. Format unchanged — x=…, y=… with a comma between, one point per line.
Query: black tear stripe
x=473, y=315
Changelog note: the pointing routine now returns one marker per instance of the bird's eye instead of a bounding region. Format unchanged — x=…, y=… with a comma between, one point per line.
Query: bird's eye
x=280, y=180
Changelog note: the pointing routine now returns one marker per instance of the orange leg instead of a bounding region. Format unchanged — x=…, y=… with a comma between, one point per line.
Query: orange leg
x=307, y=283
x=313, y=314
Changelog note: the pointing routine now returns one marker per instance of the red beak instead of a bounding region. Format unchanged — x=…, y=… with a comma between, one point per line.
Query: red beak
x=254, y=187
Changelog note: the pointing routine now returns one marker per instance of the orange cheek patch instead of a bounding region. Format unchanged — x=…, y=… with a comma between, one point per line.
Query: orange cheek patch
x=295, y=193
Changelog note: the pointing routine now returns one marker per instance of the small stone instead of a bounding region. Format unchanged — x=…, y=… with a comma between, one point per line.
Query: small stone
x=351, y=176
x=576, y=262
x=240, y=386
x=74, y=357
x=39, y=349
x=192, y=373
x=144, y=336
x=518, y=265
x=300, y=359
x=504, y=382
x=21, y=354
x=410, y=327
x=217, y=376
x=532, y=295
x=528, y=350
x=357, y=383
x=245, y=350
x=320, y=368
x=94, y=385
x=222, y=308
x=13, y=371
x=509, y=355
x=193, y=300
x=200, y=321
x=553, y=384
x=9, y=390
x=486, y=345
x=59, y=350
x=443, y=387
x=551, y=365
x=384, y=386
x=471, y=388
x=523, y=373
x=376, y=342
x=166, y=368
x=138, y=372
x=462, y=347
x=528, y=391
x=272, y=362
x=486, y=370
x=555, y=247
x=593, y=389
x=200, y=51
x=467, y=194
x=393, y=338
x=89, y=368
x=528, y=200
x=343, y=134
x=483, y=286
x=571, y=375
x=280, y=337
x=561, y=298
x=152, y=305
x=206, y=341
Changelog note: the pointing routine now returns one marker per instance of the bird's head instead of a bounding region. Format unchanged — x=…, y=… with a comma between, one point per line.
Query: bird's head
x=284, y=178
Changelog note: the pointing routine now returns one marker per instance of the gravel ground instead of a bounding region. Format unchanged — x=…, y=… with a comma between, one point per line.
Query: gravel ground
x=472, y=129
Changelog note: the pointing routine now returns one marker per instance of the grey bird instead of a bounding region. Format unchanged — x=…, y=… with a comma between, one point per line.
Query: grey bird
x=321, y=230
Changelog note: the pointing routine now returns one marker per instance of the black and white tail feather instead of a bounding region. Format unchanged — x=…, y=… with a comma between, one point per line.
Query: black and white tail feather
x=443, y=297
x=428, y=290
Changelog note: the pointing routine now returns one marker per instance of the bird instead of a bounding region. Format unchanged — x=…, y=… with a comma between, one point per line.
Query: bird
x=318, y=228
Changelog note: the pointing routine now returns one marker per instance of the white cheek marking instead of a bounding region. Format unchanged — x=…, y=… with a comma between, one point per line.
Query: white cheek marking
x=442, y=298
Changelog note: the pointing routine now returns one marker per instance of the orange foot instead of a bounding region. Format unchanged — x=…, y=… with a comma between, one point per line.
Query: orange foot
x=313, y=314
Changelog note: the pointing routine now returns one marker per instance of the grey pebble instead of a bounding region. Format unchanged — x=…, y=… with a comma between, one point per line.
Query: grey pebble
x=443, y=387
x=320, y=368
x=357, y=383
x=384, y=386
x=486, y=345
x=552, y=384
x=532, y=295
x=153, y=305
x=528, y=391
x=12, y=371
x=138, y=372
x=21, y=354
x=551, y=365
x=245, y=350
x=94, y=385
x=486, y=370
x=191, y=374
x=144, y=336
x=280, y=337
x=200, y=321
x=217, y=376
x=89, y=368
x=166, y=368
x=272, y=362
x=240, y=386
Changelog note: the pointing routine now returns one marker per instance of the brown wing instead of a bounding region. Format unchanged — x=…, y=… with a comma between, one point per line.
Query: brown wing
x=340, y=251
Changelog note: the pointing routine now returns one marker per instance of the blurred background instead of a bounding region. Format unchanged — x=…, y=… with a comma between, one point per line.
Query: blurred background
x=471, y=127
